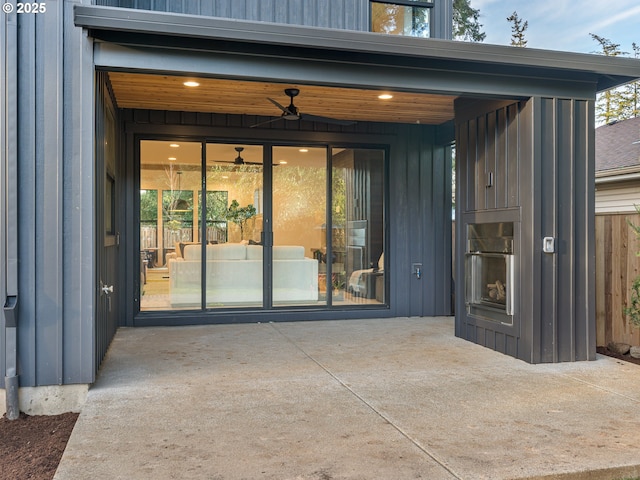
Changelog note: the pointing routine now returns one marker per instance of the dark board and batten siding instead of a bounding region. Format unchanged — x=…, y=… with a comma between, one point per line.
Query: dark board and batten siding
x=54, y=133
x=493, y=140
x=565, y=163
x=340, y=14
x=543, y=149
x=107, y=256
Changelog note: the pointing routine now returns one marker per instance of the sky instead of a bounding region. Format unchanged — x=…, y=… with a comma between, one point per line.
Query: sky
x=563, y=24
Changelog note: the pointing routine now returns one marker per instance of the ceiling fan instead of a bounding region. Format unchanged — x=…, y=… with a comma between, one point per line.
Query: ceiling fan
x=238, y=161
x=292, y=113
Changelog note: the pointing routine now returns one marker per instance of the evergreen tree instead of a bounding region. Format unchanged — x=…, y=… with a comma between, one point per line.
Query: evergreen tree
x=466, y=24
x=517, y=30
x=608, y=103
x=632, y=93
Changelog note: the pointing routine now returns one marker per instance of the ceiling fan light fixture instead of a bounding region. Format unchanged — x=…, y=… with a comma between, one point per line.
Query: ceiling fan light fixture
x=239, y=160
x=292, y=113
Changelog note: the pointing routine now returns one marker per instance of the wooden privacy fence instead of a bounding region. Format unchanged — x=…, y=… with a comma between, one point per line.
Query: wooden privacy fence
x=616, y=267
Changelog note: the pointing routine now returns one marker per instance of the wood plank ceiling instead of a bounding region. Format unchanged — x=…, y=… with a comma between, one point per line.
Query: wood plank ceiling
x=164, y=92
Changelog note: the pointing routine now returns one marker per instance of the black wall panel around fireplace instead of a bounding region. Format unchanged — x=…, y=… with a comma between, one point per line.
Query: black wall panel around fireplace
x=531, y=162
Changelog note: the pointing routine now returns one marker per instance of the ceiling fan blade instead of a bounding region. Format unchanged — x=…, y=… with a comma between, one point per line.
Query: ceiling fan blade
x=284, y=109
x=265, y=122
x=318, y=118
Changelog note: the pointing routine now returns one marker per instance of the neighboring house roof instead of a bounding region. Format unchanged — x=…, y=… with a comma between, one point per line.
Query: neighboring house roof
x=618, y=167
x=618, y=146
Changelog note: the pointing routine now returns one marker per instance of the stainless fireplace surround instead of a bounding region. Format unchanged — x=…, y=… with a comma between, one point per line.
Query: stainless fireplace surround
x=489, y=271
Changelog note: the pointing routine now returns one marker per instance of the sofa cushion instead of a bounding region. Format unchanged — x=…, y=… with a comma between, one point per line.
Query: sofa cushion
x=288, y=252
x=181, y=245
x=191, y=251
x=227, y=251
x=254, y=252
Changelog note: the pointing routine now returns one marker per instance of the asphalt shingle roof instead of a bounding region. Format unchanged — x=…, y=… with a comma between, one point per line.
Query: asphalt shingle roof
x=618, y=145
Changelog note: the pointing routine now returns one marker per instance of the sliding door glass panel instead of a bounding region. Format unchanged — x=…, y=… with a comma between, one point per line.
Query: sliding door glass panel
x=170, y=177
x=299, y=226
x=233, y=215
x=357, y=212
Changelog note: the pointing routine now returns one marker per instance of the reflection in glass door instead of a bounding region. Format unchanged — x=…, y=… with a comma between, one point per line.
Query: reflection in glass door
x=299, y=224
x=234, y=215
x=170, y=176
x=357, y=211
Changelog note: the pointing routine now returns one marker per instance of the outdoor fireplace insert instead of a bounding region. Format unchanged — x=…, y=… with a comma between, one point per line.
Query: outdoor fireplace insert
x=489, y=271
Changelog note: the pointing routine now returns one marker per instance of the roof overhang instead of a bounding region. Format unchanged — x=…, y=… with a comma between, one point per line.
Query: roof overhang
x=358, y=47
x=190, y=43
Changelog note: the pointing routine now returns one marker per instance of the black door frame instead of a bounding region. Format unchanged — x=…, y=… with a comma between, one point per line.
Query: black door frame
x=267, y=139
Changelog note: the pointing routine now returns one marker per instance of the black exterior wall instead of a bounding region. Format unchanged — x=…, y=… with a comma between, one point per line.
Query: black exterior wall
x=52, y=134
x=109, y=255
x=542, y=156
x=418, y=215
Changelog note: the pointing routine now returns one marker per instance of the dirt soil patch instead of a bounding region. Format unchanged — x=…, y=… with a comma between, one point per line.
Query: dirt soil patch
x=31, y=446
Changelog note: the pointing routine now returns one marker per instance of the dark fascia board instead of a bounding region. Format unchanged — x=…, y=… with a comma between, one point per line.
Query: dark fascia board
x=605, y=72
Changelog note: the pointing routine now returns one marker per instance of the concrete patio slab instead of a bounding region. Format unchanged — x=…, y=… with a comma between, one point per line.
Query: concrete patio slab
x=394, y=398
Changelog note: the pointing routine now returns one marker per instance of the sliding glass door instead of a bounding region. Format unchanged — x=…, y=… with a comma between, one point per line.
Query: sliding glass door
x=245, y=226
x=234, y=250
x=170, y=173
x=358, y=232
x=299, y=224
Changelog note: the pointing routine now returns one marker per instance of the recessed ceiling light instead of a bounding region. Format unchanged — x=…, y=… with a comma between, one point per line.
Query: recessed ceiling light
x=282, y=162
x=174, y=145
x=191, y=83
x=172, y=158
x=385, y=96
x=303, y=150
x=225, y=176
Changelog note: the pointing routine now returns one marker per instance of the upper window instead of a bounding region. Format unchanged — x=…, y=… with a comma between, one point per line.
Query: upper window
x=410, y=18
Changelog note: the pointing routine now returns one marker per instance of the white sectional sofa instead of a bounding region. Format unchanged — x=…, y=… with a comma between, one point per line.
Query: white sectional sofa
x=234, y=275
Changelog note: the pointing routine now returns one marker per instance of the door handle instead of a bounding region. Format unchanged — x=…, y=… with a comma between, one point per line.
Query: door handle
x=106, y=290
